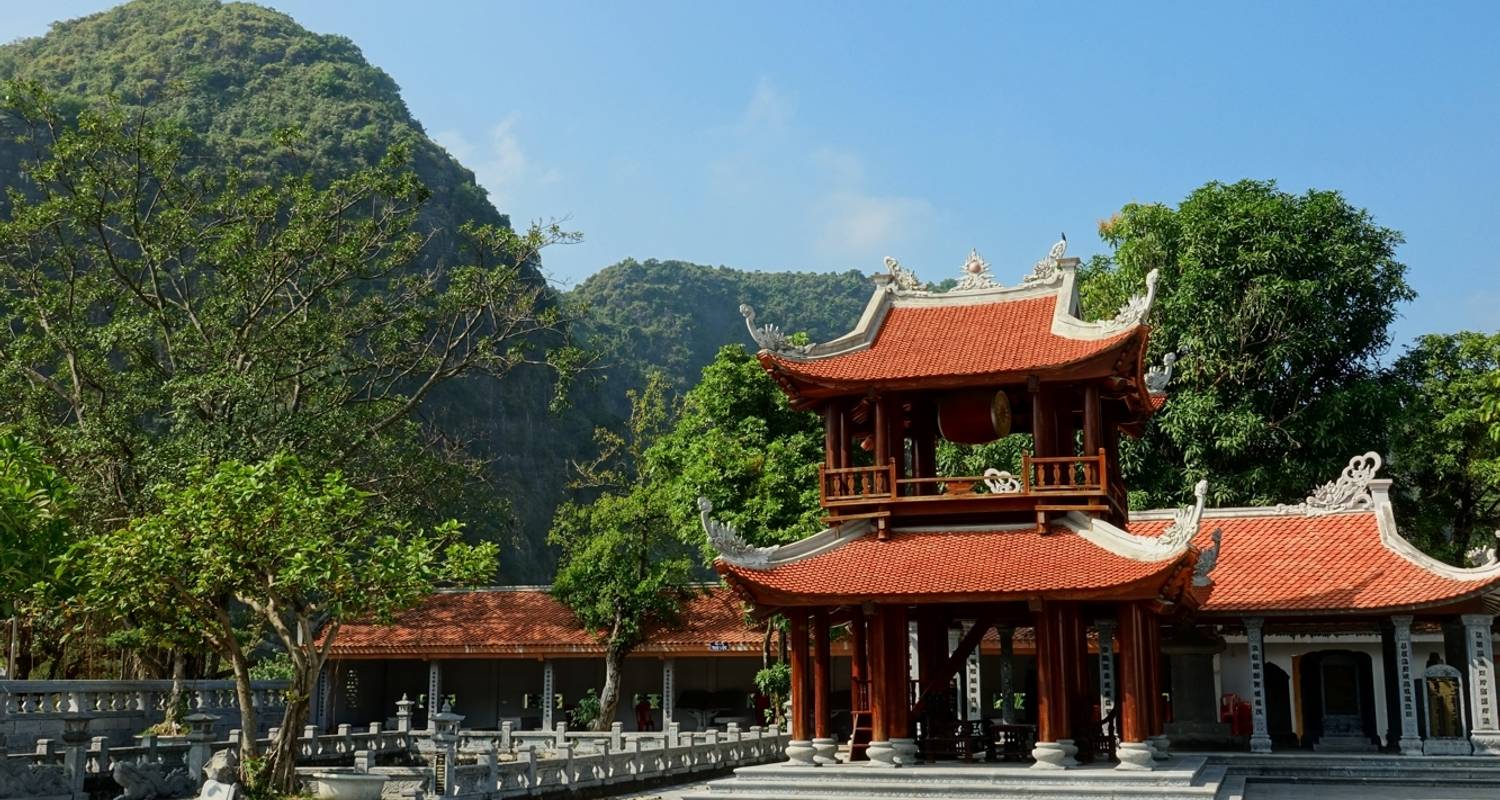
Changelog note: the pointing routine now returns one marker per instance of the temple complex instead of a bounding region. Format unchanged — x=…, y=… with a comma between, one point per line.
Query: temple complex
x=918, y=567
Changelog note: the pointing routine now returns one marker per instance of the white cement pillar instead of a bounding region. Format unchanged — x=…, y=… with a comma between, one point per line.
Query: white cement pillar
x=973, y=693
x=1260, y=737
x=322, y=694
x=668, y=690
x=1406, y=686
x=1484, y=728
x=1106, y=629
x=434, y=692
x=1007, y=644
x=549, y=694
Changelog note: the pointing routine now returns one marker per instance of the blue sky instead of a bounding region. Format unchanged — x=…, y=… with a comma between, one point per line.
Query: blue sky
x=826, y=135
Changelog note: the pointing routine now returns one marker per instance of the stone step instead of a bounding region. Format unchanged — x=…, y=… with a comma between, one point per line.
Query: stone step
x=1186, y=778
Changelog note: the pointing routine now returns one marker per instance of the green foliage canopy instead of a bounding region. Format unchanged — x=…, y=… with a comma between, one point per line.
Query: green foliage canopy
x=1444, y=459
x=1279, y=306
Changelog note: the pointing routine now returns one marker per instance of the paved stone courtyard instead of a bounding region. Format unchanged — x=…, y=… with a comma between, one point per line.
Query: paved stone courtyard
x=1255, y=791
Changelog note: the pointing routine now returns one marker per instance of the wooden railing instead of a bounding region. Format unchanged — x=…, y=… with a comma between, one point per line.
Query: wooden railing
x=1049, y=475
x=847, y=485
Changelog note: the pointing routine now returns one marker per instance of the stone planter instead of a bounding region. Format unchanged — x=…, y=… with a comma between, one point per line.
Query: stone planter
x=345, y=785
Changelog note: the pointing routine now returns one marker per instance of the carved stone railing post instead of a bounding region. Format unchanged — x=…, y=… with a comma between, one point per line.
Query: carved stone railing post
x=1484, y=710
x=75, y=753
x=200, y=738
x=1406, y=691
x=1260, y=737
x=403, y=713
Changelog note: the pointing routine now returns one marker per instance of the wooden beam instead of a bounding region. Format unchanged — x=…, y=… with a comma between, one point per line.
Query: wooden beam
x=955, y=661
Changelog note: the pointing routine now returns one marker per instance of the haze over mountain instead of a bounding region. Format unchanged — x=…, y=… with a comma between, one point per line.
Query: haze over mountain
x=236, y=74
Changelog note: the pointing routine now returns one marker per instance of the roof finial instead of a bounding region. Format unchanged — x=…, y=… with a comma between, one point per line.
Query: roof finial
x=1157, y=378
x=902, y=278
x=1208, y=558
x=1350, y=491
x=728, y=543
x=1185, y=519
x=768, y=336
x=1046, y=268
x=976, y=274
x=1136, y=308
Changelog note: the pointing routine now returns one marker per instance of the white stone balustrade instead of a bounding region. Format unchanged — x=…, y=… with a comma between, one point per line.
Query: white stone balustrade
x=118, y=710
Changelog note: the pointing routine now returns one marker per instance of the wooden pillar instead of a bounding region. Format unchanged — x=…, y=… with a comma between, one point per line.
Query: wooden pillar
x=882, y=432
x=822, y=677
x=932, y=643
x=1133, y=751
x=1041, y=421
x=1153, y=652
x=1051, y=688
x=1078, y=662
x=797, y=650
x=879, y=751
x=898, y=723
x=1092, y=420
x=831, y=435
x=843, y=434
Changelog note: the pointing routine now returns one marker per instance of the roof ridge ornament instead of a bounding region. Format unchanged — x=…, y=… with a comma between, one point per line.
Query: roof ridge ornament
x=1481, y=556
x=1046, y=268
x=728, y=543
x=1185, y=520
x=902, y=279
x=768, y=336
x=1208, y=558
x=1350, y=491
x=976, y=274
x=1137, y=307
x=1157, y=378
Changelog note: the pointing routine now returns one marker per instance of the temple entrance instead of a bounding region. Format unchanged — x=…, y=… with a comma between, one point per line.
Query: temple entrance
x=1338, y=701
x=1279, y=708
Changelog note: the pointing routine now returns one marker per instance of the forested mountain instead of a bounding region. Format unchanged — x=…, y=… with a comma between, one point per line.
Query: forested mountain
x=239, y=75
x=675, y=316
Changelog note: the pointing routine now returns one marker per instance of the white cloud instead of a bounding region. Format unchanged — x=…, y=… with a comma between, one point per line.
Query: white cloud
x=858, y=225
x=768, y=108
x=500, y=163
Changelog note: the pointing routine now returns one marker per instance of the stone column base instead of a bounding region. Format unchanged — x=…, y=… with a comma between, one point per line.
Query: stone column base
x=1135, y=756
x=1070, y=752
x=1410, y=746
x=800, y=751
x=1447, y=747
x=1049, y=755
x=1260, y=744
x=1160, y=746
x=881, y=754
x=1486, y=743
x=906, y=752
x=825, y=751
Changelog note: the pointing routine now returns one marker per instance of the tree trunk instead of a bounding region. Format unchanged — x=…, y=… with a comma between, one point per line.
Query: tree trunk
x=173, y=714
x=609, y=698
x=281, y=759
x=246, y=700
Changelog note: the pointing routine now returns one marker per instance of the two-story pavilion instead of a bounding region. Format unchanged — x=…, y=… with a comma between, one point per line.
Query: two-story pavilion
x=911, y=554
x=1046, y=548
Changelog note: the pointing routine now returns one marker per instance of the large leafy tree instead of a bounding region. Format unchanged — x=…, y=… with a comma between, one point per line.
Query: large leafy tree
x=35, y=529
x=1442, y=454
x=1279, y=307
x=299, y=551
x=738, y=443
x=624, y=569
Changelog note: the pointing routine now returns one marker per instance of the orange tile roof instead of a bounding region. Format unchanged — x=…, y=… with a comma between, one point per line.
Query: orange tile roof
x=1295, y=563
x=529, y=621
x=953, y=340
x=938, y=565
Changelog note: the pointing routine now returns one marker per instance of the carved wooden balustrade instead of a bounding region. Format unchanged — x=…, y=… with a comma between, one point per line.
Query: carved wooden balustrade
x=1045, y=484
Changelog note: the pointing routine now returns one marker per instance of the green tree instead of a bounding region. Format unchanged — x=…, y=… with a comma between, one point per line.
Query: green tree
x=739, y=444
x=1442, y=454
x=300, y=551
x=35, y=528
x=624, y=570
x=160, y=311
x=1279, y=307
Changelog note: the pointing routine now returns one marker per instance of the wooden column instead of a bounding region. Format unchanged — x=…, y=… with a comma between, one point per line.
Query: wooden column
x=1092, y=420
x=1081, y=694
x=831, y=435
x=822, y=683
x=932, y=643
x=898, y=722
x=1041, y=421
x=1051, y=676
x=843, y=435
x=1133, y=751
x=1153, y=643
x=797, y=650
x=882, y=432
x=879, y=676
